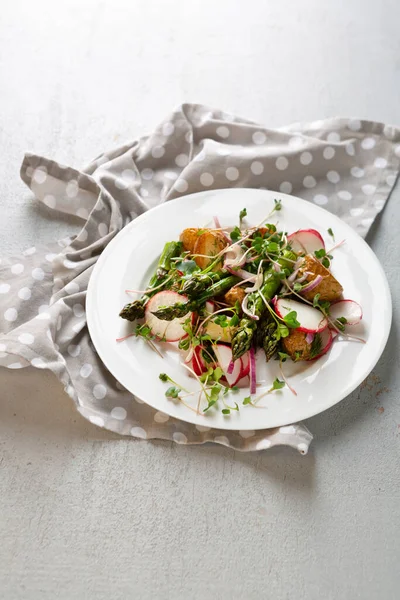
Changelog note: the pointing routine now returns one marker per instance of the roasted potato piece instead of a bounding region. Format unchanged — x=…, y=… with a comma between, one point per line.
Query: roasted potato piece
x=209, y=243
x=233, y=295
x=329, y=288
x=296, y=346
x=189, y=237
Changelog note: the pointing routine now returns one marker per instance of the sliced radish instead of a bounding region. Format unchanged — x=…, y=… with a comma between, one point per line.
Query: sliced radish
x=210, y=307
x=349, y=309
x=326, y=342
x=311, y=320
x=224, y=357
x=334, y=334
x=306, y=241
x=245, y=365
x=172, y=331
x=198, y=364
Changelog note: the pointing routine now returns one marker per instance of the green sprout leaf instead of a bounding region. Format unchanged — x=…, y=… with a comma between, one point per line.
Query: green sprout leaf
x=210, y=404
x=283, y=356
x=184, y=344
x=235, y=234
x=170, y=391
x=226, y=411
x=217, y=374
x=340, y=323
x=187, y=267
x=273, y=247
x=320, y=253
x=173, y=392
x=234, y=321
x=323, y=305
x=281, y=331
x=242, y=215
x=278, y=385
x=331, y=233
x=246, y=400
x=278, y=204
x=291, y=320
x=221, y=320
x=144, y=331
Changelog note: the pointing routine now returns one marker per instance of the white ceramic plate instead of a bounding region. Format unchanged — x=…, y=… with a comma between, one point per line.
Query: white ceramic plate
x=129, y=261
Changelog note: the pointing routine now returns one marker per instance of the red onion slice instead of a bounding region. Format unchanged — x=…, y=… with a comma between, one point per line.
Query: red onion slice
x=241, y=273
x=253, y=375
x=234, y=257
x=217, y=223
x=313, y=284
x=309, y=338
x=230, y=368
x=257, y=284
x=277, y=267
x=246, y=310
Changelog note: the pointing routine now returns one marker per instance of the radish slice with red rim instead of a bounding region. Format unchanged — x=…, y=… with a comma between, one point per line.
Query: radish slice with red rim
x=172, y=331
x=306, y=241
x=311, y=319
x=196, y=363
x=349, y=309
x=245, y=365
x=326, y=342
x=223, y=352
x=210, y=307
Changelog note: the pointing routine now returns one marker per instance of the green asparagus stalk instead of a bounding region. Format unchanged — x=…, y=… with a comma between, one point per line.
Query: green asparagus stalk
x=135, y=310
x=242, y=338
x=200, y=281
x=180, y=309
x=266, y=337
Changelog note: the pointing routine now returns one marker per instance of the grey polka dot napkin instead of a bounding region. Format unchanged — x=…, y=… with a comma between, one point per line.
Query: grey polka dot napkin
x=347, y=166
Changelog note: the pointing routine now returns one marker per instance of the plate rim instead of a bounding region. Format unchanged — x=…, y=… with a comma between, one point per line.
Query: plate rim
x=192, y=420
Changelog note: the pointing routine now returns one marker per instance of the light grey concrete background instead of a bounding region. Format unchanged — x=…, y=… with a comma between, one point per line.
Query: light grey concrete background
x=87, y=515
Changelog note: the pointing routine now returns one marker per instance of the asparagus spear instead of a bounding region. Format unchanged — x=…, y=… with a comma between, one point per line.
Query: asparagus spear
x=135, y=310
x=266, y=338
x=180, y=309
x=200, y=281
x=242, y=338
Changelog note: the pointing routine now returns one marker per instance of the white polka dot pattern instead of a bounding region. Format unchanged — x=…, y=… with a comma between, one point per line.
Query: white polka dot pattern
x=118, y=413
x=206, y=179
x=282, y=163
x=223, y=131
x=232, y=173
x=259, y=138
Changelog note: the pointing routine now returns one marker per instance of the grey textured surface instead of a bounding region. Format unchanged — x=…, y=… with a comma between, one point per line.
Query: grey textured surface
x=86, y=514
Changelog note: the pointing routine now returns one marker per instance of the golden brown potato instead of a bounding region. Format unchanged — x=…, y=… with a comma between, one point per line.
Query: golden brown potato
x=233, y=295
x=296, y=346
x=329, y=288
x=209, y=243
x=189, y=238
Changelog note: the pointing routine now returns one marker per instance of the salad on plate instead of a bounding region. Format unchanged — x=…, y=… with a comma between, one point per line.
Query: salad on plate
x=222, y=294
